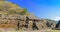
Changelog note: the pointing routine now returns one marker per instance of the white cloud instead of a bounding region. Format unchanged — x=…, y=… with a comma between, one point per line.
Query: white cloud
x=56, y=18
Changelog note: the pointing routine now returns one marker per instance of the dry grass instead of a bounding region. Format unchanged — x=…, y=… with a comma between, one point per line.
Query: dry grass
x=55, y=31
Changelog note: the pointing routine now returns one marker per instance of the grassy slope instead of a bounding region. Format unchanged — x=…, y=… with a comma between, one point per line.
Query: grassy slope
x=11, y=8
x=51, y=21
x=55, y=31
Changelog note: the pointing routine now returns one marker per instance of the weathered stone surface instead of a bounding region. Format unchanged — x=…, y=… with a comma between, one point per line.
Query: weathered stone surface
x=18, y=23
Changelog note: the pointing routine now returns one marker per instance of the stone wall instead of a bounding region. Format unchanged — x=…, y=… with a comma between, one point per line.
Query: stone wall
x=14, y=22
x=41, y=24
x=7, y=22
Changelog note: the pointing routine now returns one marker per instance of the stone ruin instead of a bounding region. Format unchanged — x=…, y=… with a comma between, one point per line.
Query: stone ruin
x=22, y=22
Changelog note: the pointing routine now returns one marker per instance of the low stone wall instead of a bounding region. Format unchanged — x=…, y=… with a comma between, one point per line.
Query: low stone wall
x=7, y=23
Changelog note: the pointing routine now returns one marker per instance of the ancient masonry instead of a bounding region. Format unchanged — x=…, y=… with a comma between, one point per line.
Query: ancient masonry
x=21, y=22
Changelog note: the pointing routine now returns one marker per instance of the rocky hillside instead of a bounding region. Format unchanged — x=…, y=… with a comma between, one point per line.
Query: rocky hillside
x=9, y=13
x=10, y=8
x=51, y=21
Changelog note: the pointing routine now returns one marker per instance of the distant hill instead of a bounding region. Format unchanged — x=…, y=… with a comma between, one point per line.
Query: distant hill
x=51, y=21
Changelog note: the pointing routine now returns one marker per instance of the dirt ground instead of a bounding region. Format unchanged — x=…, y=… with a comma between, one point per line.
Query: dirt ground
x=12, y=30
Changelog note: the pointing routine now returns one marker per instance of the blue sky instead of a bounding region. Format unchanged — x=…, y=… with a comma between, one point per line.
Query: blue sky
x=41, y=8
